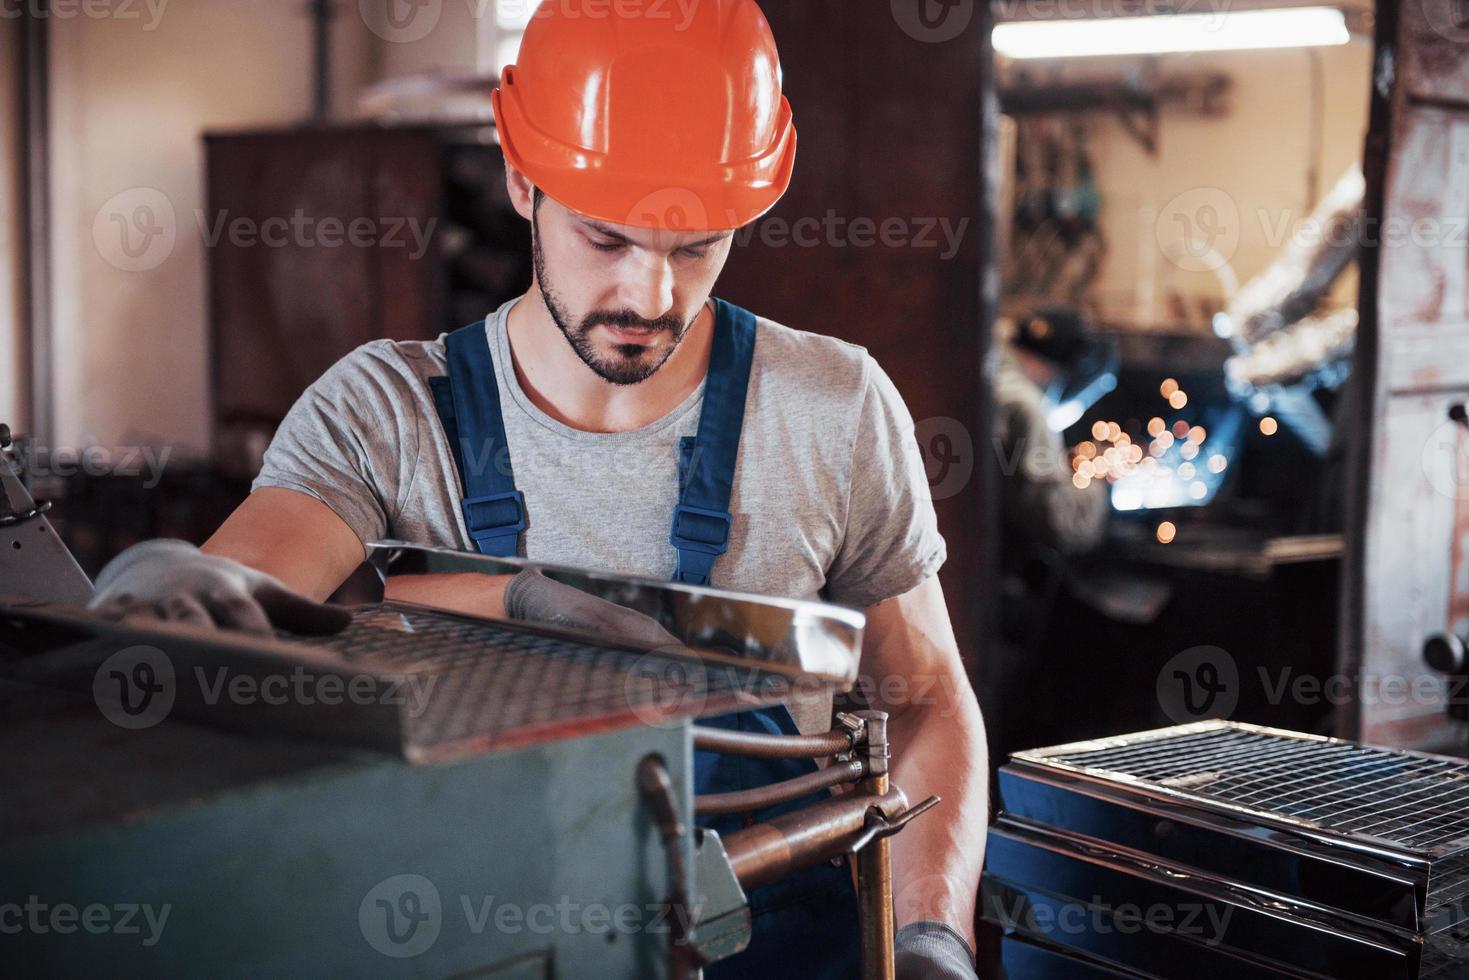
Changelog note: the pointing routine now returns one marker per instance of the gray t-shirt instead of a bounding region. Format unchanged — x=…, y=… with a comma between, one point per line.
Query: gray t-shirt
x=830, y=498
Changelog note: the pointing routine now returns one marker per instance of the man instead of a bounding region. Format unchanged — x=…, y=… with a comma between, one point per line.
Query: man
x=575, y=420
x=1047, y=520
x=1040, y=504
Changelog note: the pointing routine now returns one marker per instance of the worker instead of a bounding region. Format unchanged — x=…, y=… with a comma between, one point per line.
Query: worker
x=1047, y=520
x=1041, y=505
x=617, y=416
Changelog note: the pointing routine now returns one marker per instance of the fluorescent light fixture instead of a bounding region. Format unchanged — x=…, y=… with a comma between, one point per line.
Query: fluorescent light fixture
x=1241, y=30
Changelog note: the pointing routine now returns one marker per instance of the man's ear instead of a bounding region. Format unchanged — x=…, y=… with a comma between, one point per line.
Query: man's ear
x=522, y=191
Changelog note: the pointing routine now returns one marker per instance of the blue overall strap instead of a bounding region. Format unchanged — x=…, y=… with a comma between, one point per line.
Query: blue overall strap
x=701, y=520
x=494, y=511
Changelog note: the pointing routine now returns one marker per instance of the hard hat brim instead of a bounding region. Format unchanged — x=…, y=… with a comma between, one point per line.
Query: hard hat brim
x=721, y=198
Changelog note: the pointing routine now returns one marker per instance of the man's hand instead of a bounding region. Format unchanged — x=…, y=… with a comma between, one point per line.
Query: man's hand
x=175, y=581
x=533, y=597
x=932, y=951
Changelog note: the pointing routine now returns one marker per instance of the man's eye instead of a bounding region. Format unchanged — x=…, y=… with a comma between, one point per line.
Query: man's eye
x=694, y=253
x=605, y=246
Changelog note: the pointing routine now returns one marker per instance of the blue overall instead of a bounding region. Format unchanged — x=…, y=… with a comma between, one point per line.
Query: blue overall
x=805, y=926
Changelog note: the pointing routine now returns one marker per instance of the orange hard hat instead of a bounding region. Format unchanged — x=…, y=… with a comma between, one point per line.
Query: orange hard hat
x=650, y=113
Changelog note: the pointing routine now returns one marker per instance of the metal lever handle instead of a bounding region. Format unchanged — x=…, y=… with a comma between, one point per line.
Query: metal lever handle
x=877, y=826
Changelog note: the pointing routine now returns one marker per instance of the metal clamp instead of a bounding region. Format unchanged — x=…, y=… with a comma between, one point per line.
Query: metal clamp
x=878, y=826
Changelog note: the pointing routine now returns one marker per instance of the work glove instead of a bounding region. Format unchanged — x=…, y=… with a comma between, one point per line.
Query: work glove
x=175, y=581
x=533, y=597
x=932, y=951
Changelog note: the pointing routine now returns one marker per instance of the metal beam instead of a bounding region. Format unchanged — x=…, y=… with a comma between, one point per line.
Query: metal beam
x=35, y=245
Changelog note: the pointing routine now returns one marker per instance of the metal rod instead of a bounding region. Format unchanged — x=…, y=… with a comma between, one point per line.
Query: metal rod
x=36, y=229
x=757, y=745
x=321, y=17
x=772, y=849
x=657, y=789
x=761, y=797
x=874, y=862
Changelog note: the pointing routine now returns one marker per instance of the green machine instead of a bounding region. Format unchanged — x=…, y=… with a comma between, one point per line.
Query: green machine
x=423, y=795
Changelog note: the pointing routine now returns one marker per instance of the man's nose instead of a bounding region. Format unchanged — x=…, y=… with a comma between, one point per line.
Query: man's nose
x=648, y=289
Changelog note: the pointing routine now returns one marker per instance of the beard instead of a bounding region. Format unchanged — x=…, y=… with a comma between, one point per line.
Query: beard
x=623, y=364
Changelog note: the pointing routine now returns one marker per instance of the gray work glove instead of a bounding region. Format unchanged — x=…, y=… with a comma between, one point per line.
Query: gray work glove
x=932, y=951
x=533, y=597
x=175, y=581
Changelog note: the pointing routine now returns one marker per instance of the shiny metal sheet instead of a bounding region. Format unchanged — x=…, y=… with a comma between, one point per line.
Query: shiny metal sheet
x=403, y=679
x=821, y=642
x=1354, y=836
x=1154, y=918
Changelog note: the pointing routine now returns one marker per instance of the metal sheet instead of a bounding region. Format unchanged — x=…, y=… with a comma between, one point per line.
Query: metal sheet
x=1109, y=932
x=818, y=640
x=425, y=684
x=33, y=561
x=1277, y=858
x=1354, y=844
x=1217, y=927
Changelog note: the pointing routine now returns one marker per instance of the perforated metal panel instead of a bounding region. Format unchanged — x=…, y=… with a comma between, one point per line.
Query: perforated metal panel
x=1364, y=849
x=1413, y=801
x=492, y=682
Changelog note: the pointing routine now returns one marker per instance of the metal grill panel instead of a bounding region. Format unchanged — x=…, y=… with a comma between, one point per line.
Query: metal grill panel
x=1414, y=802
x=477, y=679
x=1348, y=842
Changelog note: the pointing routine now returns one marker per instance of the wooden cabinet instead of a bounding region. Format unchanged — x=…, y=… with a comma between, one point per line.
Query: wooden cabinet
x=321, y=239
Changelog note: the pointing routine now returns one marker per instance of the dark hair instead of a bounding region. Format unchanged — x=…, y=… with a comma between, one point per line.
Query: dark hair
x=536, y=197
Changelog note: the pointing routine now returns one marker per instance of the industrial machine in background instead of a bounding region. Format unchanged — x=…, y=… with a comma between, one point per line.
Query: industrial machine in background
x=1230, y=851
x=425, y=793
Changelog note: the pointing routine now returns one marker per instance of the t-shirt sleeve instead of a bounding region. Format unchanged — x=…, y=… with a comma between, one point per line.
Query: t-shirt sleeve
x=891, y=542
x=333, y=444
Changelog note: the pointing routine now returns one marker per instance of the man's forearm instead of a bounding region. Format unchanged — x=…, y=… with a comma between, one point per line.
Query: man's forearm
x=462, y=592
x=940, y=750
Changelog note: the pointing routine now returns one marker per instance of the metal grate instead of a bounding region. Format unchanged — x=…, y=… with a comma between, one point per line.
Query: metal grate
x=1417, y=802
x=485, y=681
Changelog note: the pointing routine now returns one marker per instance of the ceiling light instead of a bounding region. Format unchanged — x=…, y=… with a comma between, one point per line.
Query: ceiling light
x=1291, y=27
